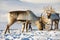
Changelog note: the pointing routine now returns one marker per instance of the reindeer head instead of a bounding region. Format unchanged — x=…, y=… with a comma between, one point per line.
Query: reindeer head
x=49, y=11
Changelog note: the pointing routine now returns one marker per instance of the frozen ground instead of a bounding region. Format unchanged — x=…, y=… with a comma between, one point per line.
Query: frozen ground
x=34, y=35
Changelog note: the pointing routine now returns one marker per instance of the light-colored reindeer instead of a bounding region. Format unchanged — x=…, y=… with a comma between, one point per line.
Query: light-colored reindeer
x=25, y=16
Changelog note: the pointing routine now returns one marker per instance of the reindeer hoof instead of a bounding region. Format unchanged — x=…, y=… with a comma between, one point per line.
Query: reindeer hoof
x=8, y=31
x=4, y=32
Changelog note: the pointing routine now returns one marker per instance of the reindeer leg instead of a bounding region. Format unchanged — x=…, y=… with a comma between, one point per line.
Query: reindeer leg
x=27, y=26
x=7, y=28
x=51, y=25
x=23, y=27
x=9, y=25
x=56, y=24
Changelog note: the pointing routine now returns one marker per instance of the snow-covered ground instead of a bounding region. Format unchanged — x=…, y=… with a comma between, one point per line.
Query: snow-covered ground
x=34, y=35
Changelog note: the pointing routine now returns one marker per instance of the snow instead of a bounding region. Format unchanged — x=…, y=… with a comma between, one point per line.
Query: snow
x=34, y=35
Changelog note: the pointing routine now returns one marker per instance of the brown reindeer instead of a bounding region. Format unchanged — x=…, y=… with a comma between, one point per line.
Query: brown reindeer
x=22, y=16
x=42, y=22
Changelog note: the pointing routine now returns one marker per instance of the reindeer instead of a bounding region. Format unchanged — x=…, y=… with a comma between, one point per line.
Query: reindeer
x=53, y=16
x=42, y=22
x=22, y=16
x=26, y=17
